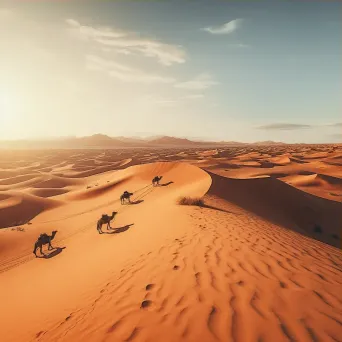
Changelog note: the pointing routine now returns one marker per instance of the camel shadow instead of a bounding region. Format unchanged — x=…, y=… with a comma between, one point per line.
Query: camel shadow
x=136, y=202
x=120, y=229
x=52, y=254
x=166, y=184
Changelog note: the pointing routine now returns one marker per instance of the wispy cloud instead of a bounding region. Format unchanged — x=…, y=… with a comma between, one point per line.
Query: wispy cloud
x=201, y=82
x=337, y=124
x=129, y=43
x=123, y=72
x=226, y=28
x=284, y=126
x=89, y=32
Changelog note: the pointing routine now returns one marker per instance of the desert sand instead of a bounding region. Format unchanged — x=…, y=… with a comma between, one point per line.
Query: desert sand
x=260, y=261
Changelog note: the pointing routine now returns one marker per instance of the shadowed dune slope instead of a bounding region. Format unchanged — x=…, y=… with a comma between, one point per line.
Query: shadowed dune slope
x=48, y=192
x=20, y=208
x=19, y=179
x=283, y=204
x=100, y=190
x=57, y=182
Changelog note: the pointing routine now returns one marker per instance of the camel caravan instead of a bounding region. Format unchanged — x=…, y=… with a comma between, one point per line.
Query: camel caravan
x=45, y=239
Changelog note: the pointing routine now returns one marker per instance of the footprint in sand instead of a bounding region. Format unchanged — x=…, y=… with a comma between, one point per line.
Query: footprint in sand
x=176, y=267
x=149, y=287
x=145, y=304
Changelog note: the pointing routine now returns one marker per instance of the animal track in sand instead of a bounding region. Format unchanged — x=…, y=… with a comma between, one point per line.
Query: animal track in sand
x=145, y=304
x=133, y=335
x=149, y=287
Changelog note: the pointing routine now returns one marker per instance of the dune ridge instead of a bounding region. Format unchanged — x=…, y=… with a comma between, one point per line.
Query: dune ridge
x=248, y=265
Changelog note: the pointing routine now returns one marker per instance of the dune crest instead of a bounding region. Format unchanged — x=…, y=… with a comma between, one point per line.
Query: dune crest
x=254, y=260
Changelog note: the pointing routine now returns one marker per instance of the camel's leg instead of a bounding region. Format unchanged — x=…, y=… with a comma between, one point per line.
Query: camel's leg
x=99, y=229
x=50, y=246
x=41, y=249
x=35, y=249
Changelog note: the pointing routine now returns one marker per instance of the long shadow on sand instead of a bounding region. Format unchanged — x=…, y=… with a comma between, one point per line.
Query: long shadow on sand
x=120, y=229
x=52, y=254
x=166, y=184
x=136, y=202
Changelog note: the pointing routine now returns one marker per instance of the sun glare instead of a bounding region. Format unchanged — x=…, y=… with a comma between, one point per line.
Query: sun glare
x=6, y=106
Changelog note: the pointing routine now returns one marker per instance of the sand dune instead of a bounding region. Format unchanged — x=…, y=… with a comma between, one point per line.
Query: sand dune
x=257, y=263
x=282, y=204
x=48, y=192
x=316, y=180
x=20, y=208
x=280, y=160
x=93, y=192
x=18, y=179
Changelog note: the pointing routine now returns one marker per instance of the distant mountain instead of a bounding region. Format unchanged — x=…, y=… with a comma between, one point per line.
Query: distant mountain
x=105, y=141
x=165, y=140
x=132, y=140
x=269, y=142
x=97, y=137
x=231, y=143
x=97, y=140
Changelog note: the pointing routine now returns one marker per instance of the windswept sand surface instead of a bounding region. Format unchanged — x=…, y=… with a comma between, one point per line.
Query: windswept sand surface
x=261, y=261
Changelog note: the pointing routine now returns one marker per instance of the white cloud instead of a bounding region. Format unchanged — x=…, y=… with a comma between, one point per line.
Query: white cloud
x=284, y=126
x=226, y=28
x=128, y=43
x=124, y=72
x=88, y=32
x=201, y=82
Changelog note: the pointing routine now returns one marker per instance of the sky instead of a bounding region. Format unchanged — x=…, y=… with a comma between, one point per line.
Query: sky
x=213, y=70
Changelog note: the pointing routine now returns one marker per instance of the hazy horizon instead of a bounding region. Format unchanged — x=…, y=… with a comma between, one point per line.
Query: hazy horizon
x=207, y=70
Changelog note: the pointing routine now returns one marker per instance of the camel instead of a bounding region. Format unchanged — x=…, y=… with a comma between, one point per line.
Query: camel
x=105, y=219
x=156, y=180
x=44, y=239
x=126, y=195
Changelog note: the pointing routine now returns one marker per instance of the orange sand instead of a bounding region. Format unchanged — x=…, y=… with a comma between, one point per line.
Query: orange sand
x=248, y=266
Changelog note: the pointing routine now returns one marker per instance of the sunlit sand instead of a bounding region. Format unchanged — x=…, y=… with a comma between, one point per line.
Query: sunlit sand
x=257, y=259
